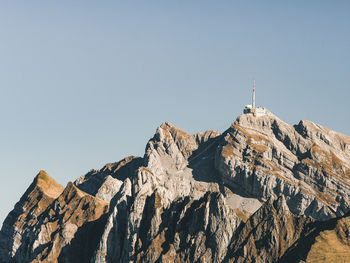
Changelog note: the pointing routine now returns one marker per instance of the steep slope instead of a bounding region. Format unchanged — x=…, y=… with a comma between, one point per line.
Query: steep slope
x=50, y=222
x=274, y=234
x=307, y=163
x=177, y=166
x=263, y=191
x=325, y=241
x=105, y=183
x=40, y=194
x=70, y=227
x=332, y=245
x=188, y=231
x=267, y=235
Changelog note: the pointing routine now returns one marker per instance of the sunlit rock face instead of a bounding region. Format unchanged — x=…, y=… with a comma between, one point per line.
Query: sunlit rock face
x=262, y=191
x=307, y=163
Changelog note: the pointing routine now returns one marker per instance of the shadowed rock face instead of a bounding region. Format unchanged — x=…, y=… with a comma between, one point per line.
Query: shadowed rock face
x=263, y=191
x=188, y=231
x=40, y=194
x=48, y=219
x=106, y=182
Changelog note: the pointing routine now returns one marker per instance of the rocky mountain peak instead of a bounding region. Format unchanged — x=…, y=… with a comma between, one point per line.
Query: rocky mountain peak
x=255, y=193
x=48, y=185
x=267, y=157
x=183, y=141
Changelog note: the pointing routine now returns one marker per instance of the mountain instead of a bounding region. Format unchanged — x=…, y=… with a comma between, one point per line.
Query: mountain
x=262, y=191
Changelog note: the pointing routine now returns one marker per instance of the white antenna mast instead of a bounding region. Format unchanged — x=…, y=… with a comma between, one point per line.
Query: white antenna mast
x=253, y=102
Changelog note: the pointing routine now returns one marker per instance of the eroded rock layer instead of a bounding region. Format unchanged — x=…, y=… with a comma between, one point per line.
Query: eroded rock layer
x=262, y=191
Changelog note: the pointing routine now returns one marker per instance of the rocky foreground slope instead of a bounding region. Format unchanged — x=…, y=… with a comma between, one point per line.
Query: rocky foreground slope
x=262, y=191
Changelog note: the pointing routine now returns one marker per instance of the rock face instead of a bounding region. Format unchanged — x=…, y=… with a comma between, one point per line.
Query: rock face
x=262, y=191
x=307, y=163
x=50, y=222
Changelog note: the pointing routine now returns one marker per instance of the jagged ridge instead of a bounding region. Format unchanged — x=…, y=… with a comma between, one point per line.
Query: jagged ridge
x=262, y=191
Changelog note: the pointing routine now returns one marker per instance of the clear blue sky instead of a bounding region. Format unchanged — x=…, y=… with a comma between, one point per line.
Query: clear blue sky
x=83, y=83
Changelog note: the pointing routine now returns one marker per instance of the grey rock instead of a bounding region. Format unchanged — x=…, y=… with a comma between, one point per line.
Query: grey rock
x=307, y=163
x=247, y=195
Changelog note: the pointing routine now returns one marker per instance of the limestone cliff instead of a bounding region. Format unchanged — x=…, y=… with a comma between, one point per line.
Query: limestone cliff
x=307, y=163
x=262, y=191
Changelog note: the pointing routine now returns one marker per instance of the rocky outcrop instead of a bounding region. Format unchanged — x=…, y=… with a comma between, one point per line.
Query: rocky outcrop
x=105, y=183
x=50, y=222
x=326, y=241
x=40, y=194
x=267, y=235
x=307, y=163
x=263, y=191
x=274, y=234
x=187, y=231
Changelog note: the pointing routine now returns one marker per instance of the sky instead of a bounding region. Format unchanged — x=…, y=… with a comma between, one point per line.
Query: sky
x=84, y=83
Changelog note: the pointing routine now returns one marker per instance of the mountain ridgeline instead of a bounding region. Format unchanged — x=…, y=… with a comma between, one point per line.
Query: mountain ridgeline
x=262, y=191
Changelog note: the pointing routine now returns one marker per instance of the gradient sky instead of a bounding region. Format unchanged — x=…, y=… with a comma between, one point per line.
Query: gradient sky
x=83, y=83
